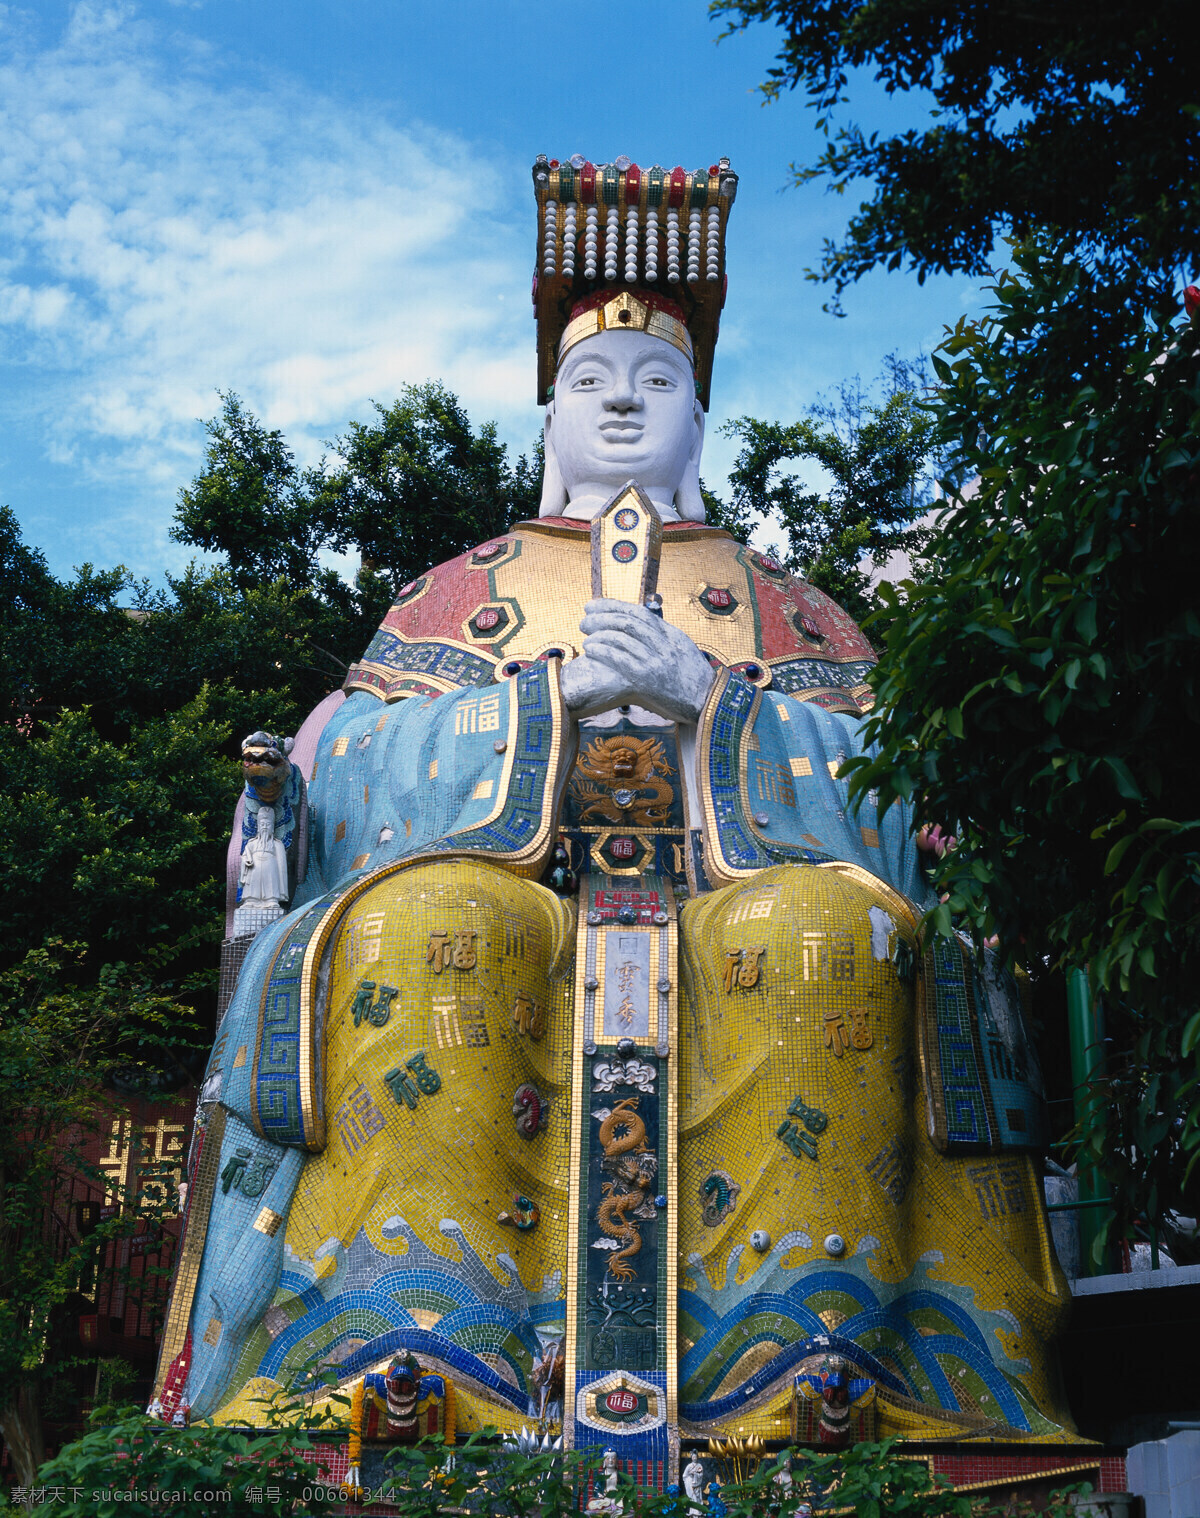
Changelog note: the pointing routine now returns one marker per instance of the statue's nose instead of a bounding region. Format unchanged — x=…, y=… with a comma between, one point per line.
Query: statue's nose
x=622, y=395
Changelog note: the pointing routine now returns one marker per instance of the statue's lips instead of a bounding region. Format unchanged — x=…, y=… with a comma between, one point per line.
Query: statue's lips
x=622, y=432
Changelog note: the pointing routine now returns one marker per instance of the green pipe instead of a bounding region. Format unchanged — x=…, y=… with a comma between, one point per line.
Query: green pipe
x=1087, y=1069
x=1098, y=1201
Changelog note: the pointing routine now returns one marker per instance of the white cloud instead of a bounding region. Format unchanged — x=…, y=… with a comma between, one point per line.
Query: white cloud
x=163, y=234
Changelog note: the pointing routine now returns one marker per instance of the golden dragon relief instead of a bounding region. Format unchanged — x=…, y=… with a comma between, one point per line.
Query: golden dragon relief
x=612, y=776
x=627, y=1158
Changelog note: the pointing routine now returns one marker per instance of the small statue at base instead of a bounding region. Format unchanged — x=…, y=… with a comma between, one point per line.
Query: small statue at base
x=401, y=1406
x=693, y=1485
x=273, y=846
x=783, y=1481
x=609, y=1503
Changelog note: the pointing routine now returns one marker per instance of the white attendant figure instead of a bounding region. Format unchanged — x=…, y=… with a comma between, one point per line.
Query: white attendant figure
x=263, y=879
x=693, y=1484
x=610, y=1504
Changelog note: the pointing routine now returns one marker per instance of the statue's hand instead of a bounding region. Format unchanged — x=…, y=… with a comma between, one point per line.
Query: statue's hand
x=630, y=655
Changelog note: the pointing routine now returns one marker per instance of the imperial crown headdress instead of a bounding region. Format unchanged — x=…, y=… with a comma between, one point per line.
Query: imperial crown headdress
x=634, y=249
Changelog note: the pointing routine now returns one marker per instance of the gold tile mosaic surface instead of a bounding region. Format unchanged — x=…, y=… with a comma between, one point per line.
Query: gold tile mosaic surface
x=801, y=1118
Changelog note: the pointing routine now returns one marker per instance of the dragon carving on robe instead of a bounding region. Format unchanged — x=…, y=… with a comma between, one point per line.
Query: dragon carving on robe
x=611, y=777
x=627, y=1158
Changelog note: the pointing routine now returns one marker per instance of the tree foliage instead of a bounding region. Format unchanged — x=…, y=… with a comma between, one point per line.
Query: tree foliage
x=252, y=504
x=1040, y=691
x=421, y=466
x=417, y=486
x=876, y=456
x=259, y=1474
x=1083, y=119
x=64, y=1027
x=1035, y=687
x=136, y=1468
x=111, y=840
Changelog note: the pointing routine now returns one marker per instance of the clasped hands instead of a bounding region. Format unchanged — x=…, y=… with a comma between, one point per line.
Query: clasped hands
x=630, y=656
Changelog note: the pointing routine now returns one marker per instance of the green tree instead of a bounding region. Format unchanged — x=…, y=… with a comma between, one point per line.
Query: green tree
x=64, y=1027
x=876, y=456
x=481, y=1474
x=110, y=912
x=414, y=488
x=136, y=1467
x=1040, y=693
x=420, y=485
x=1081, y=119
x=251, y=502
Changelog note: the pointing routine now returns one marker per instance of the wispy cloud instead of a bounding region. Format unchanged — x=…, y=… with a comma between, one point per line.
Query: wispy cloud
x=164, y=233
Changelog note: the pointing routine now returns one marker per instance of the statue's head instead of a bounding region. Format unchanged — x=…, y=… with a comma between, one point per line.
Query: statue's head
x=403, y=1382
x=624, y=408
x=835, y=1381
x=628, y=290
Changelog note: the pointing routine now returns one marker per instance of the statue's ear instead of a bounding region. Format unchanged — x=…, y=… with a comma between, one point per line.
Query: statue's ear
x=689, y=503
x=554, y=492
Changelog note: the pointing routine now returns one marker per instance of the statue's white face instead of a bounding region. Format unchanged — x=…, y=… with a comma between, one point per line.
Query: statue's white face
x=624, y=408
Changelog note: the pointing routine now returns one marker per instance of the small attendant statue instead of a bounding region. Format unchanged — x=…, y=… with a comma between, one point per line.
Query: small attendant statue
x=273, y=824
x=264, y=865
x=609, y=1504
x=693, y=1485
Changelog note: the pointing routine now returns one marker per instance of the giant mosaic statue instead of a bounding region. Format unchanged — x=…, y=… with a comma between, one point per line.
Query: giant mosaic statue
x=583, y=1047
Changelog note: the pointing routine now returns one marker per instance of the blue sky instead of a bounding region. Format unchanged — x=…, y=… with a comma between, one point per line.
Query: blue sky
x=313, y=202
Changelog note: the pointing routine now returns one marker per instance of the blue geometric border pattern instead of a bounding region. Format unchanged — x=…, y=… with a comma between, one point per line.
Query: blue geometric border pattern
x=964, y=1113
x=791, y=675
x=737, y=845
x=532, y=776
x=277, y=1098
x=441, y=661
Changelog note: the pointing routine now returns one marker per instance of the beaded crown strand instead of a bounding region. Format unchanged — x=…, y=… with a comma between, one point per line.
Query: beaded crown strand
x=606, y=231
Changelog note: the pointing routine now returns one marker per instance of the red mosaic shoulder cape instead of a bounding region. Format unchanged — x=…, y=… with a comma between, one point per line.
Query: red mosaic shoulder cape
x=519, y=597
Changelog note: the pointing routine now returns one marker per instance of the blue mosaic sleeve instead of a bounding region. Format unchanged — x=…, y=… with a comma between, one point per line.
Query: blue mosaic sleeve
x=243, y=1256
x=473, y=771
x=769, y=776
